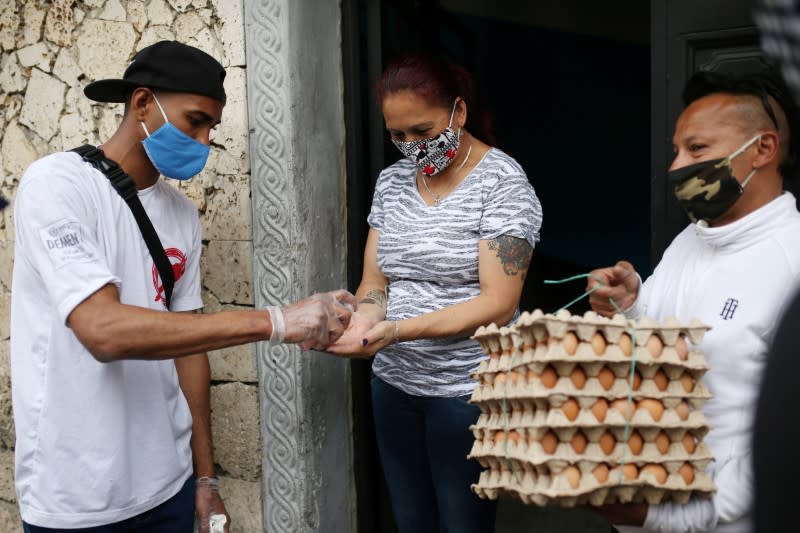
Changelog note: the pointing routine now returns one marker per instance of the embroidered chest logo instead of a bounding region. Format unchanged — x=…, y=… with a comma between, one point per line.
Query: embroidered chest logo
x=178, y=261
x=729, y=308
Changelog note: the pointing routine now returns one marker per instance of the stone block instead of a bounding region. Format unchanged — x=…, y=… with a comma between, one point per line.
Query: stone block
x=206, y=41
x=153, y=34
x=160, y=13
x=113, y=10
x=71, y=135
x=10, y=521
x=32, y=20
x=7, y=260
x=7, y=439
x=5, y=357
x=235, y=427
x=66, y=67
x=7, y=476
x=12, y=79
x=5, y=315
x=228, y=214
x=232, y=132
x=110, y=119
x=59, y=23
x=243, y=503
x=35, y=55
x=18, y=152
x=180, y=6
x=230, y=28
x=237, y=363
x=9, y=23
x=187, y=25
x=105, y=48
x=44, y=100
x=227, y=271
x=137, y=14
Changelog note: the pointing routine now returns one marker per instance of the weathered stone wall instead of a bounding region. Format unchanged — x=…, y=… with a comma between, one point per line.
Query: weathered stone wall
x=50, y=50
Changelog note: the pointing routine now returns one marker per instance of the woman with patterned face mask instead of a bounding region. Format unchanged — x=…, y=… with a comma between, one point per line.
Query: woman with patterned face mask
x=452, y=229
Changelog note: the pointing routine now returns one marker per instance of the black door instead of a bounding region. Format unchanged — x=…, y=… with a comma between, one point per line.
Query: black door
x=687, y=36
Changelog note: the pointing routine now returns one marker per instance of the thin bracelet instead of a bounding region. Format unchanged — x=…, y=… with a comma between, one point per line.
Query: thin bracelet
x=396, y=332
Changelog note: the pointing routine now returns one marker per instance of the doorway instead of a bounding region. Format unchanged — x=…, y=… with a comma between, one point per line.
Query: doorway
x=569, y=85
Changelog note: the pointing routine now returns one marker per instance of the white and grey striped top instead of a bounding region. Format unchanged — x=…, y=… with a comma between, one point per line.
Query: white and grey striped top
x=430, y=256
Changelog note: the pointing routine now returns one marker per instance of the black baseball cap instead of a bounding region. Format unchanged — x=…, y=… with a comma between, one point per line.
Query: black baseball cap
x=167, y=65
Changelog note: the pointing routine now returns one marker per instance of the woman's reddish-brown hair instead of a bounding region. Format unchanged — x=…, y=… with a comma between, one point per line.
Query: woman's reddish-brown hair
x=439, y=83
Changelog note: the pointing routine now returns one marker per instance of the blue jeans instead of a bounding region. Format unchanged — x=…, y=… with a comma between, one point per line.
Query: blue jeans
x=423, y=444
x=175, y=515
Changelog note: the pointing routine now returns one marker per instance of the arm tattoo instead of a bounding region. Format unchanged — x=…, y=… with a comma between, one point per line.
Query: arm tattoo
x=514, y=253
x=374, y=297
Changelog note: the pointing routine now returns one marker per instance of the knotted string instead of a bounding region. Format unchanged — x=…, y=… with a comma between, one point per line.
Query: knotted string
x=632, y=331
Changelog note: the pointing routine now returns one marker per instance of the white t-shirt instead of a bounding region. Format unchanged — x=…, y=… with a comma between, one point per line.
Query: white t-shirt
x=737, y=279
x=96, y=442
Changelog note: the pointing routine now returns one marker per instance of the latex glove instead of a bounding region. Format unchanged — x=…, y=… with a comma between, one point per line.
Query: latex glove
x=619, y=282
x=319, y=320
x=351, y=344
x=208, y=503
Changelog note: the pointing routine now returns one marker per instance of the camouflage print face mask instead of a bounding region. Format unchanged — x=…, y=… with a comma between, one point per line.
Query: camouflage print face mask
x=707, y=189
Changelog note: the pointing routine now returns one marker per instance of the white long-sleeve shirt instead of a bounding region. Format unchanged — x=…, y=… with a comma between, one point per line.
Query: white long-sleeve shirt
x=737, y=279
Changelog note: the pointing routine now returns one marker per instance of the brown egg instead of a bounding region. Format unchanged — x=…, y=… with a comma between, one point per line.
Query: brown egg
x=607, y=442
x=548, y=377
x=606, y=378
x=655, y=407
x=549, y=442
x=499, y=437
x=500, y=378
x=579, y=442
x=687, y=381
x=683, y=410
x=599, y=343
x=655, y=346
x=637, y=379
x=514, y=436
x=658, y=471
x=573, y=476
x=689, y=443
x=623, y=407
x=635, y=443
x=514, y=376
x=601, y=472
x=625, y=344
x=661, y=380
x=599, y=409
x=532, y=376
x=682, y=348
x=662, y=442
x=571, y=409
x=570, y=343
x=630, y=471
x=687, y=473
x=578, y=377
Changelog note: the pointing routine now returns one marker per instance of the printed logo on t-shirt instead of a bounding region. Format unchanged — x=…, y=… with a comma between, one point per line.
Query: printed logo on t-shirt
x=66, y=242
x=178, y=260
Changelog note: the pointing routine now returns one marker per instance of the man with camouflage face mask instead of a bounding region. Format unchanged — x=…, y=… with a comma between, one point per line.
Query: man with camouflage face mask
x=733, y=268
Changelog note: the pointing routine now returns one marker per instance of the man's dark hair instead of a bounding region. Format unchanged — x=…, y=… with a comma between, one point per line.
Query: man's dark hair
x=761, y=85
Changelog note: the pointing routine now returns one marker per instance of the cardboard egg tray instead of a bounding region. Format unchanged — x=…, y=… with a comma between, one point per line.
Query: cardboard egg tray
x=557, y=402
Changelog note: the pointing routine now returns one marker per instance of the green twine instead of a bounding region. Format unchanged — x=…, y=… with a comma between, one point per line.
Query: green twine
x=627, y=428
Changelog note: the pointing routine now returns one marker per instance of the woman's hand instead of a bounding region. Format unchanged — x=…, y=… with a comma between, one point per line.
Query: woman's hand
x=351, y=343
x=368, y=342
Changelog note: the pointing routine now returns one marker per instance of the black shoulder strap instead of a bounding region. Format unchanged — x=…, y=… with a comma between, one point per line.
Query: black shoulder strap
x=126, y=188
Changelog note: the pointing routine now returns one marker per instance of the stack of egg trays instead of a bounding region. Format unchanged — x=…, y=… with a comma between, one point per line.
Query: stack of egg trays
x=522, y=410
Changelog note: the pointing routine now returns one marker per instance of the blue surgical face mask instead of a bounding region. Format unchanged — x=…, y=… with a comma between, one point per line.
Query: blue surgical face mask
x=173, y=153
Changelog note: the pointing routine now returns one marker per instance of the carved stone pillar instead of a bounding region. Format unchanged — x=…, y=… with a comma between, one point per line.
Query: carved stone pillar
x=294, y=94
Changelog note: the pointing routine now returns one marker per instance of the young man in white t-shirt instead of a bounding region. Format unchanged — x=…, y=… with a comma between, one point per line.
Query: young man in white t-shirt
x=110, y=392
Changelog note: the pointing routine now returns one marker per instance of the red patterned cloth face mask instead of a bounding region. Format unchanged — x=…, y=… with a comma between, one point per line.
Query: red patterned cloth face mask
x=435, y=154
